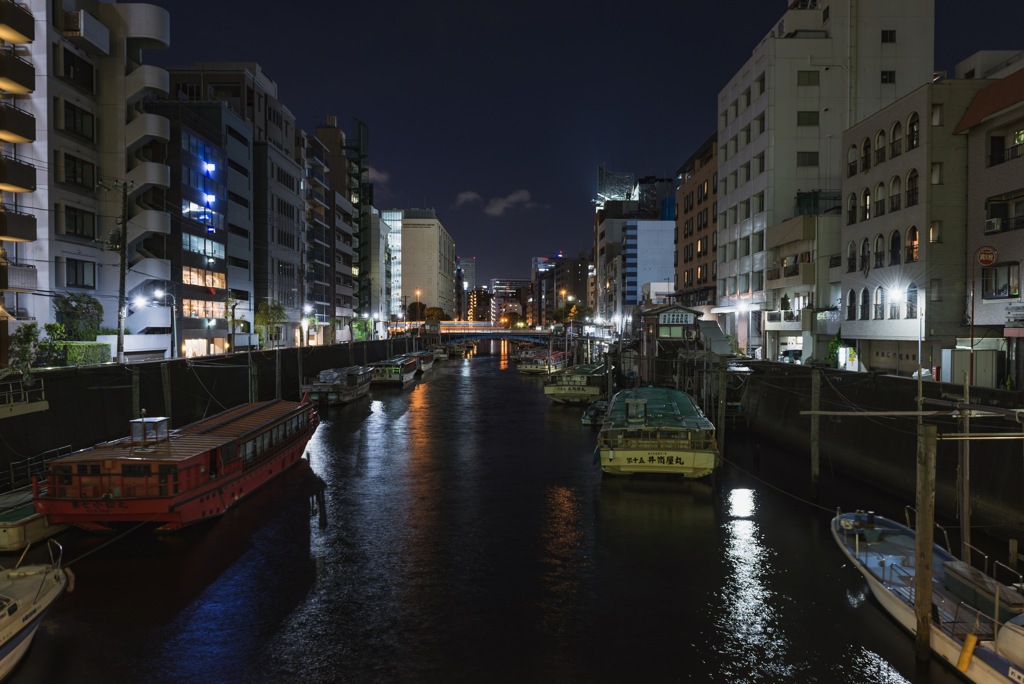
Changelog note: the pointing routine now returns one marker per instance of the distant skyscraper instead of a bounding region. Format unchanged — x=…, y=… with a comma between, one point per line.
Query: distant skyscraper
x=468, y=265
x=613, y=186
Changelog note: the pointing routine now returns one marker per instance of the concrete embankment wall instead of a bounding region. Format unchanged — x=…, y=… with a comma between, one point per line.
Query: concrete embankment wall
x=882, y=451
x=92, y=404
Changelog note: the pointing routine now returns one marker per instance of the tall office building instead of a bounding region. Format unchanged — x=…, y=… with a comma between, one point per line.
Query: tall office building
x=278, y=178
x=428, y=259
x=209, y=278
x=393, y=219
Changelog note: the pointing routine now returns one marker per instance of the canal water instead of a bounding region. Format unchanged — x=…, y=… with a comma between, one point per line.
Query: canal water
x=470, y=537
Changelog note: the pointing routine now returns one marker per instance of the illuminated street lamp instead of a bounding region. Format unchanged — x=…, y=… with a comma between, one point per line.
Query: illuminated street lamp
x=306, y=311
x=160, y=294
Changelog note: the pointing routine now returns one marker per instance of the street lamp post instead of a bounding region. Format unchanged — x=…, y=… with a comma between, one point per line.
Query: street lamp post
x=160, y=294
x=306, y=311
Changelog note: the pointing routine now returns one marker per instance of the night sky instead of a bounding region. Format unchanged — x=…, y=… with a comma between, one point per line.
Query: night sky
x=497, y=115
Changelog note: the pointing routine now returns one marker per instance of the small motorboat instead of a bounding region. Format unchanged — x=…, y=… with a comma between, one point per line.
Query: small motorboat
x=594, y=414
x=26, y=592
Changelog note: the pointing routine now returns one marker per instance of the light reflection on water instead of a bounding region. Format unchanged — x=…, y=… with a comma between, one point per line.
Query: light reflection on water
x=755, y=644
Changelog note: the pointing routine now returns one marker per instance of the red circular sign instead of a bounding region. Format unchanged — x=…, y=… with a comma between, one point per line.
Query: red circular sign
x=987, y=256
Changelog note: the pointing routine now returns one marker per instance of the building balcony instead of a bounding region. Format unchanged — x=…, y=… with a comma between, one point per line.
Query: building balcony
x=87, y=32
x=782, y=320
x=16, y=226
x=825, y=323
x=17, y=76
x=148, y=175
x=146, y=80
x=16, y=125
x=16, y=175
x=149, y=222
x=18, y=278
x=147, y=26
x=315, y=195
x=145, y=270
x=790, y=276
x=17, y=25
x=147, y=128
x=148, y=319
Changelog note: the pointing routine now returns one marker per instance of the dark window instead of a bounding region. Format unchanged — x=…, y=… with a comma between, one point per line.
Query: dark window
x=136, y=469
x=807, y=78
x=888, y=36
x=79, y=122
x=79, y=172
x=808, y=118
x=80, y=273
x=78, y=71
x=806, y=158
x=888, y=77
x=79, y=222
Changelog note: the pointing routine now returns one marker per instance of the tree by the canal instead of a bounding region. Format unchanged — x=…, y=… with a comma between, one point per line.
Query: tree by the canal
x=269, y=315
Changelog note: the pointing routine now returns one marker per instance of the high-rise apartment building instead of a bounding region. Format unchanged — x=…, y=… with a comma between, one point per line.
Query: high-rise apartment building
x=821, y=69
x=80, y=175
x=696, y=254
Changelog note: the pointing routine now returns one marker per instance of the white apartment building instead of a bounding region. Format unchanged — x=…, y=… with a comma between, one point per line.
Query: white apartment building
x=822, y=68
x=904, y=229
x=75, y=141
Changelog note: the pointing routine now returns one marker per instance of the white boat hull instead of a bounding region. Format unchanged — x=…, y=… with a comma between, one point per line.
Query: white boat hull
x=26, y=593
x=942, y=643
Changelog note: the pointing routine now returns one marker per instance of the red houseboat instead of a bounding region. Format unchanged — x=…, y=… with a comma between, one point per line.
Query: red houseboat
x=176, y=477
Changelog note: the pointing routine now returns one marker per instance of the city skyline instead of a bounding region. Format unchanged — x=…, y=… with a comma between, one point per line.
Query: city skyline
x=498, y=118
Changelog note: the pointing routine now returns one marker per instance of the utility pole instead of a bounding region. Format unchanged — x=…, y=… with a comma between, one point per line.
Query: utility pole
x=122, y=249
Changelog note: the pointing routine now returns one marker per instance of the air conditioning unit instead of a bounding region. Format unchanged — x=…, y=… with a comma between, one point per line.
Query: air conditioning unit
x=993, y=225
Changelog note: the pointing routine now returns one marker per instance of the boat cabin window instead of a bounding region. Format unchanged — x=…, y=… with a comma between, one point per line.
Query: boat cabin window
x=146, y=430
x=12, y=609
x=88, y=469
x=136, y=469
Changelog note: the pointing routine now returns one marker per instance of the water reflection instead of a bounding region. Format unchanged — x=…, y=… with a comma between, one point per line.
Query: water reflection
x=748, y=624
